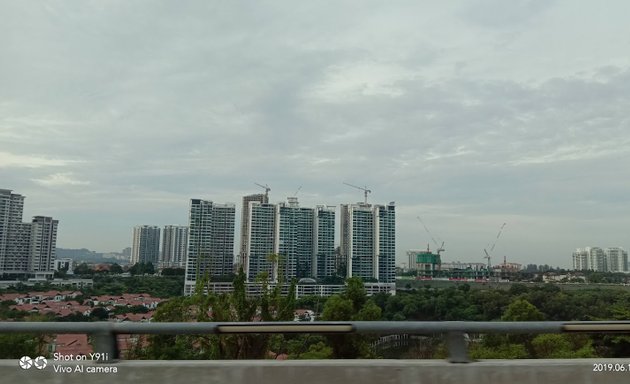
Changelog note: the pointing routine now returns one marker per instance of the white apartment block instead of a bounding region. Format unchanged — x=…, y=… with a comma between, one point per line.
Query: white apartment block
x=324, y=263
x=245, y=224
x=13, y=243
x=261, y=241
x=613, y=259
x=368, y=241
x=616, y=259
x=43, y=244
x=302, y=238
x=174, y=246
x=25, y=248
x=145, y=247
x=210, y=251
x=589, y=258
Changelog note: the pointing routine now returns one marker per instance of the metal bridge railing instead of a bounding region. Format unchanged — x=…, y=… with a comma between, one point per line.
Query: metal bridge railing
x=105, y=342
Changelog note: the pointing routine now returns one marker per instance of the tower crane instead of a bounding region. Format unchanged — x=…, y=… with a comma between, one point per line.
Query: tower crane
x=440, y=248
x=267, y=189
x=364, y=189
x=293, y=200
x=487, y=256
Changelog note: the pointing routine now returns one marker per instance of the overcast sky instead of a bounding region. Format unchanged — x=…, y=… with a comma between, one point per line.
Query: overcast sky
x=466, y=113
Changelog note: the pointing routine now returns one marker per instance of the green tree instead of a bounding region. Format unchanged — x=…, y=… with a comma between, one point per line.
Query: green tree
x=351, y=305
x=519, y=310
x=522, y=310
x=317, y=351
x=501, y=351
x=173, y=272
x=61, y=273
x=557, y=346
x=173, y=347
x=142, y=268
x=236, y=306
x=16, y=345
x=115, y=268
x=99, y=314
x=83, y=269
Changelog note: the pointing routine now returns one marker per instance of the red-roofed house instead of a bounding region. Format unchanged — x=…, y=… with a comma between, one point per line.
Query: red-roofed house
x=15, y=297
x=135, y=317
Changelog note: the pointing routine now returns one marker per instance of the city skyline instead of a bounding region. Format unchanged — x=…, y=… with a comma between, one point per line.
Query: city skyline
x=400, y=260
x=26, y=248
x=468, y=114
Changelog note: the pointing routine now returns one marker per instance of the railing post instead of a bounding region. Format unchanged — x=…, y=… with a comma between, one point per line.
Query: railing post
x=106, y=345
x=457, y=348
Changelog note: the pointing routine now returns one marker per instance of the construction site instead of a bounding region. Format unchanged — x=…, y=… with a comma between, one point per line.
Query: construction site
x=428, y=265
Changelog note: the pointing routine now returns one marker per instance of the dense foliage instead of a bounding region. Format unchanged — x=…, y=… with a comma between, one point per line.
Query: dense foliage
x=520, y=303
x=236, y=306
x=156, y=286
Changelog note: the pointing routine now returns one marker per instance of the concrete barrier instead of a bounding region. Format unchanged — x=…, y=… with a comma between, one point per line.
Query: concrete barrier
x=323, y=372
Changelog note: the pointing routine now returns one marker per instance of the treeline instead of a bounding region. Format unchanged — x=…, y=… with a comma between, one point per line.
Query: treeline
x=155, y=286
x=536, y=276
x=141, y=268
x=353, y=304
x=520, y=303
x=165, y=286
x=464, y=303
x=461, y=303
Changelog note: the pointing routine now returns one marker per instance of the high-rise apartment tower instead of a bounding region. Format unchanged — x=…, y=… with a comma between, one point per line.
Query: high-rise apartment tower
x=286, y=241
x=210, y=242
x=25, y=248
x=174, y=246
x=245, y=223
x=43, y=244
x=368, y=241
x=146, y=245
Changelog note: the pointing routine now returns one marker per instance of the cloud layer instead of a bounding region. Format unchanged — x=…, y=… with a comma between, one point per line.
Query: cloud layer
x=469, y=114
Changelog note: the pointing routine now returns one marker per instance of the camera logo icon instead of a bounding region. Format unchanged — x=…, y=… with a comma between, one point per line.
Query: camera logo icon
x=25, y=362
x=40, y=362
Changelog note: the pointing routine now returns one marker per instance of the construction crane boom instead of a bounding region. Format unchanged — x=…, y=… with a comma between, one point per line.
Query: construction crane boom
x=364, y=189
x=267, y=189
x=440, y=248
x=498, y=235
x=487, y=256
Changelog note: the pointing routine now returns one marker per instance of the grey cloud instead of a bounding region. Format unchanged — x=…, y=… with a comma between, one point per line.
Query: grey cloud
x=153, y=103
x=502, y=14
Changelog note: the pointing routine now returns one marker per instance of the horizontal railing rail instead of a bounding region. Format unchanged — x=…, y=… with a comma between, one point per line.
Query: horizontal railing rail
x=105, y=341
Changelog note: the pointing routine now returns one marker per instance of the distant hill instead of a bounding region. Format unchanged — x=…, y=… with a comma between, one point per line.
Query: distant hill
x=78, y=254
x=85, y=255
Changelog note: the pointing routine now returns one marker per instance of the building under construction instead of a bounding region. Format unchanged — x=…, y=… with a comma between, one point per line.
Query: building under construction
x=425, y=262
x=428, y=265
